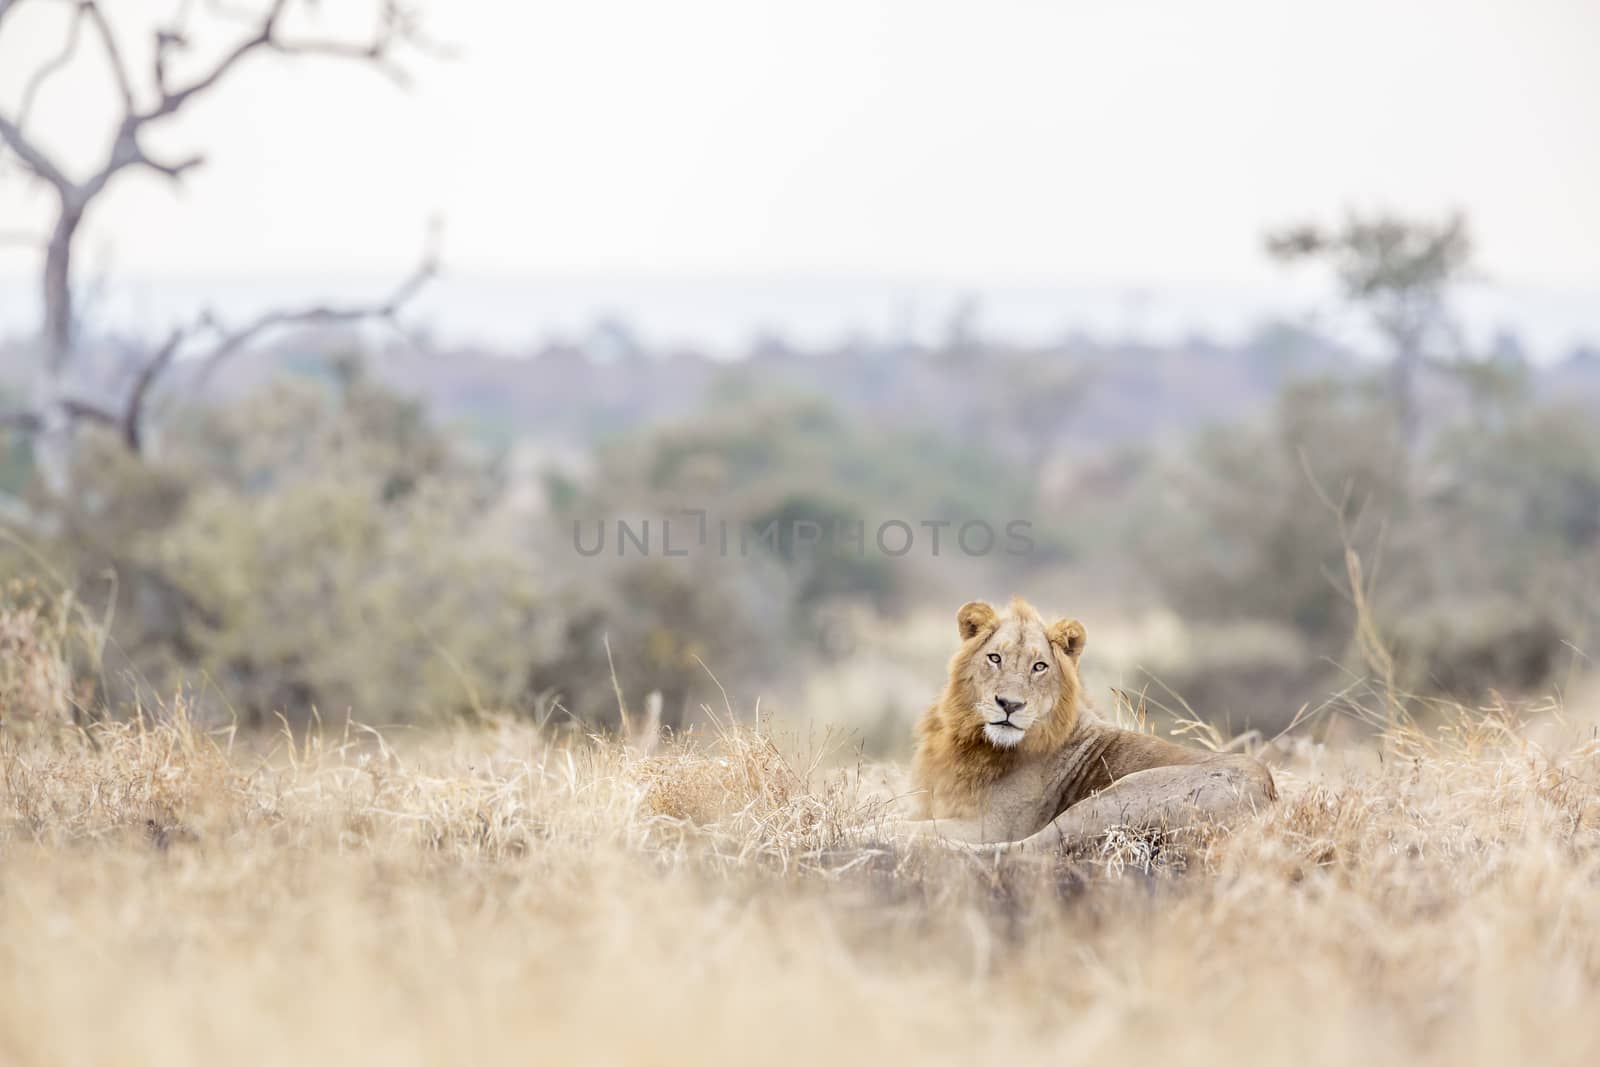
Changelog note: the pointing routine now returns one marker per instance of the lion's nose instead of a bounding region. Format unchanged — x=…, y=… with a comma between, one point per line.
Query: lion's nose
x=1008, y=706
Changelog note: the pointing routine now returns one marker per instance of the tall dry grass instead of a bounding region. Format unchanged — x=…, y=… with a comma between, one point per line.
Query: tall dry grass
x=176, y=895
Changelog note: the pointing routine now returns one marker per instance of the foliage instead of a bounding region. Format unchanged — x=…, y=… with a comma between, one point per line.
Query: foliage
x=659, y=626
x=1398, y=270
x=1480, y=576
x=315, y=546
x=1395, y=261
x=756, y=453
x=1251, y=527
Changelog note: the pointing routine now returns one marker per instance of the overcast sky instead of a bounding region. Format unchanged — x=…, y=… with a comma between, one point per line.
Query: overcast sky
x=983, y=142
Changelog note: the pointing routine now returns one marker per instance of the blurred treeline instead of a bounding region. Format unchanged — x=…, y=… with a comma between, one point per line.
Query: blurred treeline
x=387, y=533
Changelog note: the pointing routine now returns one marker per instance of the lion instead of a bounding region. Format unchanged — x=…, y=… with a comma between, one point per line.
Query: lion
x=1011, y=754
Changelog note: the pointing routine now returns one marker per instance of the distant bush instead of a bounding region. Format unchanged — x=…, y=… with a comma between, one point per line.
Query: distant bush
x=756, y=460
x=785, y=459
x=659, y=625
x=1479, y=558
x=316, y=545
x=1248, y=526
x=1506, y=550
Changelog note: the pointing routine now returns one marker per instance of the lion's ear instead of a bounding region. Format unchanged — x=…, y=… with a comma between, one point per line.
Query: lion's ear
x=1069, y=636
x=974, y=618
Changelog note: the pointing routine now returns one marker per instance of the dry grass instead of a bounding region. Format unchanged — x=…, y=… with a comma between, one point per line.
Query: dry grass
x=172, y=896
x=176, y=895
x=35, y=675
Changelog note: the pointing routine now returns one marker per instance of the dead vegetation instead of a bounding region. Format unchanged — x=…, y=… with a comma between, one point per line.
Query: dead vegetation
x=175, y=894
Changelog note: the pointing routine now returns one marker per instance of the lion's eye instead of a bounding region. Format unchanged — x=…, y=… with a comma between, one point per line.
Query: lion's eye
x=1040, y=666
x=994, y=657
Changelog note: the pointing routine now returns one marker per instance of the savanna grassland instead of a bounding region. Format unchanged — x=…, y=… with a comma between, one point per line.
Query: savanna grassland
x=174, y=893
x=233, y=530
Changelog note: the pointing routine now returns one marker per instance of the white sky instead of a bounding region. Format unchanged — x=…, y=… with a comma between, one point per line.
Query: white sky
x=982, y=142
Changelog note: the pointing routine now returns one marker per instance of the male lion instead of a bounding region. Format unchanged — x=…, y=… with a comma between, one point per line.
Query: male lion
x=1011, y=754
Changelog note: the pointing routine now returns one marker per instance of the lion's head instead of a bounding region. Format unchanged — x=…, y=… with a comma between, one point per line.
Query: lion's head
x=1014, y=681
x=1012, y=694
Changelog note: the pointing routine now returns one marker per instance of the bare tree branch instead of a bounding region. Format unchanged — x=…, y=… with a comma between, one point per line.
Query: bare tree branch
x=167, y=40
x=84, y=411
x=172, y=101
x=108, y=39
x=32, y=157
x=133, y=413
x=11, y=131
x=48, y=69
x=28, y=422
x=173, y=171
x=31, y=422
x=388, y=310
x=397, y=25
x=129, y=423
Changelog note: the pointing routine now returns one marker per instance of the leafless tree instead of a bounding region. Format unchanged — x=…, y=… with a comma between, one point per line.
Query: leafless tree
x=153, y=102
x=1398, y=270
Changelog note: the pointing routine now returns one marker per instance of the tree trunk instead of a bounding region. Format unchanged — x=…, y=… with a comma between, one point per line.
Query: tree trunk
x=52, y=444
x=58, y=324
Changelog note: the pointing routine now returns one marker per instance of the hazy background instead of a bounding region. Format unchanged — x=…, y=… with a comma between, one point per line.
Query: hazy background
x=921, y=261
x=1141, y=144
